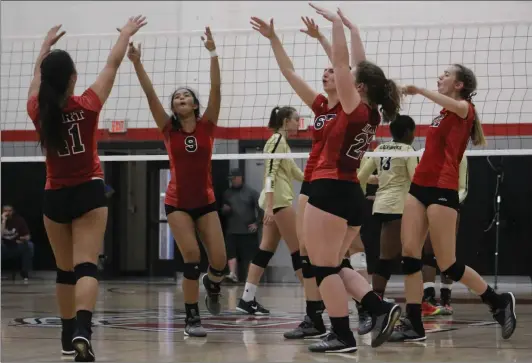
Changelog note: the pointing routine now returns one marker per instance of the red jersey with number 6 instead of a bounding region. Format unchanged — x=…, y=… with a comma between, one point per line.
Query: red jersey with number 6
x=78, y=161
x=324, y=115
x=345, y=142
x=445, y=145
x=190, y=165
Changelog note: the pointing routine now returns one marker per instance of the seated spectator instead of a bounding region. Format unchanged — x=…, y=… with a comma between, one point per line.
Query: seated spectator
x=17, y=249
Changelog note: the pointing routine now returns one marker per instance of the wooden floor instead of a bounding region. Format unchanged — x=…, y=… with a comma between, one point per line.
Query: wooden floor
x=141, y=321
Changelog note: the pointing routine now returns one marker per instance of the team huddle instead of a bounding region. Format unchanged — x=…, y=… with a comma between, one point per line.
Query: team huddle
x=413, y=198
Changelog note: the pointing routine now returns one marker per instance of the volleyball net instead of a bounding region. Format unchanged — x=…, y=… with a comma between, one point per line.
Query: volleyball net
x=499, y=54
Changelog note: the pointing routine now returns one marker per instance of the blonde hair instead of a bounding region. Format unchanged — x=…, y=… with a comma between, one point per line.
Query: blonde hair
x=477, y=133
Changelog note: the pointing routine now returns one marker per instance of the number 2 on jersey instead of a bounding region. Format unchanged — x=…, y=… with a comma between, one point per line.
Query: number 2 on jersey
x=355, y=150
x=75, y=137
x=385, y=162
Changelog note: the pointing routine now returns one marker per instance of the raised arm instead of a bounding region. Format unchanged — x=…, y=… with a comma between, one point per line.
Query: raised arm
x=461, y=108
x=51, y=38
x=300, y=87
x=157, y=110
x=313, y=31
x=345, y=85
x=215, y=96
x=104, y=83
x=358, y=53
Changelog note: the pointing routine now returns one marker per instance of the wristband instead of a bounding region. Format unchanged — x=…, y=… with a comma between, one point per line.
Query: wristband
x=269, y=185
x=213, y=53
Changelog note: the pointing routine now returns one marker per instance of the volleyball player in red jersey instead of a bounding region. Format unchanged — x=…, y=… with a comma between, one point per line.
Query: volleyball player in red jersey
x=74, y=206
x=325, y=110
x=336, y=199
x=432, y=203
x=190, y=201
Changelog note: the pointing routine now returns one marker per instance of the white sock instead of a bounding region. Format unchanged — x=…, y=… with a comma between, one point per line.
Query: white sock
x=249, y=292
x=426, y=285
x=446, y=286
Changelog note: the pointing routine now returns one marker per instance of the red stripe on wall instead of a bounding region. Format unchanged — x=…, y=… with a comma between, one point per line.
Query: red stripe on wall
x=258, y=133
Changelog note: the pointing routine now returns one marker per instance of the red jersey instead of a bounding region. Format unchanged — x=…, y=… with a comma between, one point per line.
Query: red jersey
x=345, y=142
x=445, y=145
x=323, y=114
x=190, y=165
x=78, y=162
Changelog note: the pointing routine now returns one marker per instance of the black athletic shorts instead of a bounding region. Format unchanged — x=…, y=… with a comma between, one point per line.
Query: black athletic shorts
x=194, y=213
x=342, y=198
x=305, y=188
x=386, y=217
x=66, y=204
x=432, y=195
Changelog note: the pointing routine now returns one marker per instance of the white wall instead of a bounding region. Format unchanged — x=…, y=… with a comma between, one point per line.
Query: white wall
x=501, y=56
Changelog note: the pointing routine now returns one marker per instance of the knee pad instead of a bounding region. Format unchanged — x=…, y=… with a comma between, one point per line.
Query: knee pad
x=430, y=260
x=191, y=271
x=455, y=272
x=346, y=263
x=296, y=260
x=358, y=261
x=384, y=269
x=322, y=272
x=306, y=268
x=65, y=277
x=262, y=258
x=215, y=272
x=86, y=269
x=411, y=265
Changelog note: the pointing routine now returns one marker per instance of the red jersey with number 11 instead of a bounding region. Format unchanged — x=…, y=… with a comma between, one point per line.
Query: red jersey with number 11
x=190, y=165
x=78, y=161
x=345, y=142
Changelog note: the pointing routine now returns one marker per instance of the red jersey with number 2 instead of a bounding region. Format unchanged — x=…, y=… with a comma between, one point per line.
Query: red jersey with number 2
x=323, y=115
x=78, y=161
x=190, y=165
x=445, y=145
x=345, y=142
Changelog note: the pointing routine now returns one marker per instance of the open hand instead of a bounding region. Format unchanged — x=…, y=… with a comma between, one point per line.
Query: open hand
x=348, y=24
x=327, y=14
x=208, y=40
x=53, y=36
x=313, y=29
x=262, y=27
x=133, y=25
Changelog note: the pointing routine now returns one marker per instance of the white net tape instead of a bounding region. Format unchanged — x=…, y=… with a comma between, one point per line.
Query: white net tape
x=499, y=54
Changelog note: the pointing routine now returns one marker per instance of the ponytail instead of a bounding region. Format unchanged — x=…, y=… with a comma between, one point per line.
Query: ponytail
x=477, y=133
x=51, y=117
x=391, y=102
x=57, y=69
x=274, y=123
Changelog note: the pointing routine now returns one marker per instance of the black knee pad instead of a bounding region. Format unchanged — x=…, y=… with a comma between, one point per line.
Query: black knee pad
x=384, y=269
x=216, y=272
x=411, y=265
x=455, y=272
x=191, y=271
x=430, y=260
x=65, y=277
x=346, y=263
x=296, y=260
x=85, y=269
x=322, y=272
x=262, y=258
x=306, y=268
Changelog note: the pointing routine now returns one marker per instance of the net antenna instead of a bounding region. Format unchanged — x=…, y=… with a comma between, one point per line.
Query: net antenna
x=252, y=83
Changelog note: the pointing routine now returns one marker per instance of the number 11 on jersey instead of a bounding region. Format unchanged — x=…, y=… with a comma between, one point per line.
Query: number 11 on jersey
x=75, y=138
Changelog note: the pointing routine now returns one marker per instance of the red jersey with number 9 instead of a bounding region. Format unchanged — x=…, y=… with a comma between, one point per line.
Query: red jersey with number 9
x=78, y=161
x=324, y=115
x=190, y=165
x=445, y=145
x=345, y=142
